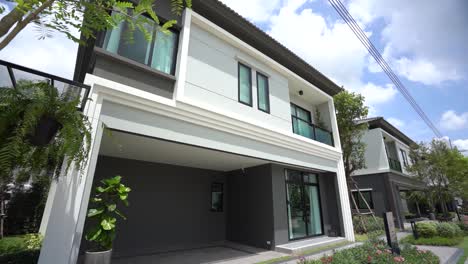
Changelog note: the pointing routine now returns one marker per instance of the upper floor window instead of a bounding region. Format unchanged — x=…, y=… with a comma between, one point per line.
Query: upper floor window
x=245, y=84
x=263, y=93
x=159, y=53
x=301, y=120
x=404, y=157
x=360, y=202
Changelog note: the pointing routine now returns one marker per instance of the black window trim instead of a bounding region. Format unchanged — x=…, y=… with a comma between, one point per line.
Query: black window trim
x=356, y=198
x=267, y=92
x=295, y=114
x=239, y=64
x=404, y=156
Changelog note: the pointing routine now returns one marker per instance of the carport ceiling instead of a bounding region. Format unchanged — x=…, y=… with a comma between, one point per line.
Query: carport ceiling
x=129, y=146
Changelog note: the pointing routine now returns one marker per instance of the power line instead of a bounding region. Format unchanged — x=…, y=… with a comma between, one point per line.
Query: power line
x=343, y=12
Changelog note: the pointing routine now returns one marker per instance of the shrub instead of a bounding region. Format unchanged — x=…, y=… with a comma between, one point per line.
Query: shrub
x=426, y=229
x=433, y=241
x=20, y=249
x=463, y=227
x=448, y=230
x=376, y=253
x=370, y=225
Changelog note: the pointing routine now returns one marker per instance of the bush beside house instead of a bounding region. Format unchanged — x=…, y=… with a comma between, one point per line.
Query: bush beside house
x=437, y=234
x=376, y=252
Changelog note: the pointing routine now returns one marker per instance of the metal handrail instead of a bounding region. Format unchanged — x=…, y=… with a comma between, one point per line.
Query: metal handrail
x=314, y=127
x=10, y=66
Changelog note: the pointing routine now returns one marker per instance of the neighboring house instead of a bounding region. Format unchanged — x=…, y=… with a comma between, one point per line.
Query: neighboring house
x=385, y=179
x=212, y=126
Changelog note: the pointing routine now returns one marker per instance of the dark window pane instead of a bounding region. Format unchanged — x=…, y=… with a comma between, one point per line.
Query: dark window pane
x=292, y=175
x=217, y=197
x=245, y=84
x=310, y=178
x=263, y=93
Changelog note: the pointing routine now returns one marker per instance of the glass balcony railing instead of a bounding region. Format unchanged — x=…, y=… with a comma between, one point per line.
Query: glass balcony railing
x=11, y=74
x=312, y=131
x=394, y=164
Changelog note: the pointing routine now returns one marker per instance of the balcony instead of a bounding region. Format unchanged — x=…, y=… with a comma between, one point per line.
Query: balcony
x=394, y=164
x=311, y=131
x=11, y=74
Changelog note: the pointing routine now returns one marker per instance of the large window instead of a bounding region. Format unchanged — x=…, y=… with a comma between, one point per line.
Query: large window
x=245, y=84
x=360, y=202
x=301, y=120
x=159, y=53
x=404, y=157
x=263, y=93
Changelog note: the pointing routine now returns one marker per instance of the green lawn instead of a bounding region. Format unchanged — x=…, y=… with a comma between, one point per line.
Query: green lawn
x=12, y=244
x=463, y=245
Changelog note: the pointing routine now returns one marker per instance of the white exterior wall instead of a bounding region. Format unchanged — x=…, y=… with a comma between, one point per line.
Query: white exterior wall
x=375, y=155
x=212, y=78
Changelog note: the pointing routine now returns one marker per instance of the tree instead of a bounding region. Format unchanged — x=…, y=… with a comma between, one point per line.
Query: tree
x=87, y=17
x=350, y=107
x=443, y=169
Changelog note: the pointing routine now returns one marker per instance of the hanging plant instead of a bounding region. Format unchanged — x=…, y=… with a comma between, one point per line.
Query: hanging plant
x=40, y=128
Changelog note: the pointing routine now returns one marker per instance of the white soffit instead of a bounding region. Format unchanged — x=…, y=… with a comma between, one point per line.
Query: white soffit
x=129, y=146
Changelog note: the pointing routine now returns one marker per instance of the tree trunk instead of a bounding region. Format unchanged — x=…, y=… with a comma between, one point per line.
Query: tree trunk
x=2, y=211
x=21, y=23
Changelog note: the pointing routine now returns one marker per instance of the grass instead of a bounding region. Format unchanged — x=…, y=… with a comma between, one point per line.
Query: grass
x=305, y=253
x=12, y=244
x=433, y=241
x=463, y=245
x=361, y=237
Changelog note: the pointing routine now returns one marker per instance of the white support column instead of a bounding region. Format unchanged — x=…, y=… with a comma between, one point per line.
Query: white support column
x=182, y=56
x=341, y=178
x=48, y=207
x=69, y=203
x=344, y=201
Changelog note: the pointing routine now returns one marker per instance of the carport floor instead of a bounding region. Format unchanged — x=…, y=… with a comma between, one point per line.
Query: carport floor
x=225, y=254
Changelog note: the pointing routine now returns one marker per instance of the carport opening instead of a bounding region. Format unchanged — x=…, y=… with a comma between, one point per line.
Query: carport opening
x=198, y=200
x=183, y=197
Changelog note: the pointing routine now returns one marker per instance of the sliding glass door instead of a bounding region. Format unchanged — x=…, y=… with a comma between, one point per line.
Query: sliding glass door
x=303, y=201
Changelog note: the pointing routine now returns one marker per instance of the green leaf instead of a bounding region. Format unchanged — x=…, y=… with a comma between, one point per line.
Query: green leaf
x=94, y=212
x=111, y=207
x=112, y=181
x=94, y=234
x=120, y=214
x=108, y=223
x=165, y=27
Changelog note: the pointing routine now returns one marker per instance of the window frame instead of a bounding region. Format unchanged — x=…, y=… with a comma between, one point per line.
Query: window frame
x=357, y=196
x=100, y=42
x=215, y=185
x=404, y=156
x=239, y=65
x=267, y=92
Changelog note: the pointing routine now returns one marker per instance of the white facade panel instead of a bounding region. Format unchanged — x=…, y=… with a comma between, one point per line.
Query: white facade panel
x=375, y=155
x=212, y=78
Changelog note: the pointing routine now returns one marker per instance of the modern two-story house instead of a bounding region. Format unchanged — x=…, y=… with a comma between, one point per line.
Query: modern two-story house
x=213, y=128
x=385, y=179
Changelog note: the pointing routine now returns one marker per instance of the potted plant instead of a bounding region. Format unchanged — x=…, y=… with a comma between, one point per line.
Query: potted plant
x=103, y=216
x=39, y=129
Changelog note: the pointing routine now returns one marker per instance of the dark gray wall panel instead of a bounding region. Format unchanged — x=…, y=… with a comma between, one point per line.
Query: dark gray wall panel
x=329, y=201
x=112, y=67
x=250, y=214
x=379, y=191
x=169, y=206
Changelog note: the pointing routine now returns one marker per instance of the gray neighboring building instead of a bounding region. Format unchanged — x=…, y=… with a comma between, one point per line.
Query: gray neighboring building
x=385, y=180
x=213, y=128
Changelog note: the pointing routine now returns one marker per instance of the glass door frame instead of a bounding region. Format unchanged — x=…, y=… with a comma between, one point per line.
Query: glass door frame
x=302, y=183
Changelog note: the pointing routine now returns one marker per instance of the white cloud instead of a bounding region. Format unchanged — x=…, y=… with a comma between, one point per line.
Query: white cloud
x=255, y=10
x=462, y=144
x=424, y=41
x=330, y=47
x=396, y=122
x=452, y=121
x=56, y=55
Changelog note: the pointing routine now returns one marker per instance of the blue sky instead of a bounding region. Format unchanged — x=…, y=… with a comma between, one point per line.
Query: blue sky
x=424, y=42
